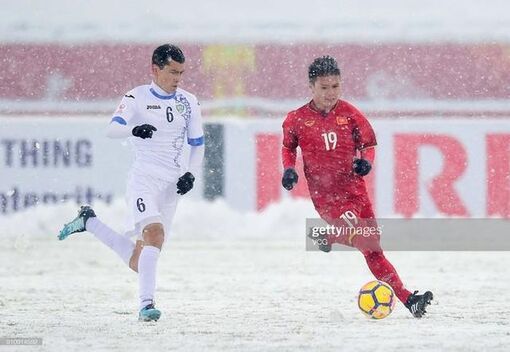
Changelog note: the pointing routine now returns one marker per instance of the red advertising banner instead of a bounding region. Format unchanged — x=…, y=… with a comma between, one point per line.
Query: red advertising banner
x=89, y=77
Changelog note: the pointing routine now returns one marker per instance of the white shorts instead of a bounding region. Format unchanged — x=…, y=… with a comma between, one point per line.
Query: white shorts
x=149, y=200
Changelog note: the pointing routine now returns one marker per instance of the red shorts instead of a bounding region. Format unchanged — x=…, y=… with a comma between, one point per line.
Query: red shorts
x=355, y=221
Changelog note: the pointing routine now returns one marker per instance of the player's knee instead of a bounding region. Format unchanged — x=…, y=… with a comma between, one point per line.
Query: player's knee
x=154, y=235
x=367, y=245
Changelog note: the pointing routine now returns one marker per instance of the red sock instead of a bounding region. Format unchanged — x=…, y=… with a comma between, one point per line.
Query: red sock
x=384, y=271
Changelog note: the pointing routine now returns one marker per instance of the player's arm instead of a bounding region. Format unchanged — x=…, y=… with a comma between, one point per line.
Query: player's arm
x=197, y=150
x=363, y=165
x=121, y=125
x=368, y=154
x=289, y=154
x=364, y=138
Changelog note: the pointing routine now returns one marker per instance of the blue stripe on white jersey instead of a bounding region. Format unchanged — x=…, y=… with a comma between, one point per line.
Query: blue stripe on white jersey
x=196, y=141
x=119, y=120
x=157, y=95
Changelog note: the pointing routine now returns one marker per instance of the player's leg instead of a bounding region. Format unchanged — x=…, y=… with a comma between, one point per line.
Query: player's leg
x=147, y=204
x=381, y=267
x=353, y=217
x=143, y=198
x=342, y=217
x=153, y=237
x=322, y=241
x=370, y=247
x=383, y=270
x=168, y=212
x=326, y=210
x=88, y=221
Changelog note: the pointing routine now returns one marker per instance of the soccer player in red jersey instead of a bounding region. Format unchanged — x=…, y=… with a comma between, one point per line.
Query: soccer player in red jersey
x=338, y=147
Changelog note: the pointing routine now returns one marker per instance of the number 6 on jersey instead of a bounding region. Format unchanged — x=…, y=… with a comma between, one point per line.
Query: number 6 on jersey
x=330, y=140
x=140, y=205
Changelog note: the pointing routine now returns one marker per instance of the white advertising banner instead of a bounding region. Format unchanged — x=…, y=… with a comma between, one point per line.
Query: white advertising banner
x=50, y=160
x=424, y=167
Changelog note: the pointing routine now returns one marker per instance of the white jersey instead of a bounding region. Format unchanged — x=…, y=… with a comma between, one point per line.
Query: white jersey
x=177, y=118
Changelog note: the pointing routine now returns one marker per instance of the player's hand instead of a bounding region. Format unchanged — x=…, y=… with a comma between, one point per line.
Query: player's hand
x=185, y=183
x=361, y=166
x=289, y=179
x=144, y=131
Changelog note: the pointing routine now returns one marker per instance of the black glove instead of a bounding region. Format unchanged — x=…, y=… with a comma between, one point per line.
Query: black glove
x=361, y=166
x=185, y=183
x=144, y=131
x=289, y=179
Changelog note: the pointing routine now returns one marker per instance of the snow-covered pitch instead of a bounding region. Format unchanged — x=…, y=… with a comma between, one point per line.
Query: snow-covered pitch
x=235, y=281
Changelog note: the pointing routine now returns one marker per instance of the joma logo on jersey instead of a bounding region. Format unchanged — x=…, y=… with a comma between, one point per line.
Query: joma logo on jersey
x=150, y=107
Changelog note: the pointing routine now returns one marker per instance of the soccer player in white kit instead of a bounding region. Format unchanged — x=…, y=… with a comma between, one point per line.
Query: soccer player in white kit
x=157, y=119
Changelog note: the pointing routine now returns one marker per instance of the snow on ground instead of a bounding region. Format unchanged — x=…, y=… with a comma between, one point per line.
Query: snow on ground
x=255, y=21
x=231, y=280
x=237, y=282
x=217, y=220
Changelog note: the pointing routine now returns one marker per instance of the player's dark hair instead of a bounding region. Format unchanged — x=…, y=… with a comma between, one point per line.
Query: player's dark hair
x=323, y=66
x=165, y=53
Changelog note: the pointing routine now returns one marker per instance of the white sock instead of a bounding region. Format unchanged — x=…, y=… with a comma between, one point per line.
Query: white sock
x=121, y=245
x=147, y=274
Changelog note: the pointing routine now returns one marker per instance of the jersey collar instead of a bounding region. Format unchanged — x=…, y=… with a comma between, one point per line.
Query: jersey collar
x=160, y=93
x=313, y=107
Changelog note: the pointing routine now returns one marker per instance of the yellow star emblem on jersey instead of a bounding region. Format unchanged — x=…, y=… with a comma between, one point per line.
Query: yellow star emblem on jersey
x=341, y=120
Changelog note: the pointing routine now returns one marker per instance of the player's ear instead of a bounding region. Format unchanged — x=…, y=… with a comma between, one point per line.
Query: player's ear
x=155, y=70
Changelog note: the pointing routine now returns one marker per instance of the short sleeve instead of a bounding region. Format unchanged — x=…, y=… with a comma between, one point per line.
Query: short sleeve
x=126, y=109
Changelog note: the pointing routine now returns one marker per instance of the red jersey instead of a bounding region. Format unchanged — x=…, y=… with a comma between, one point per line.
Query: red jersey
x=329, y=144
